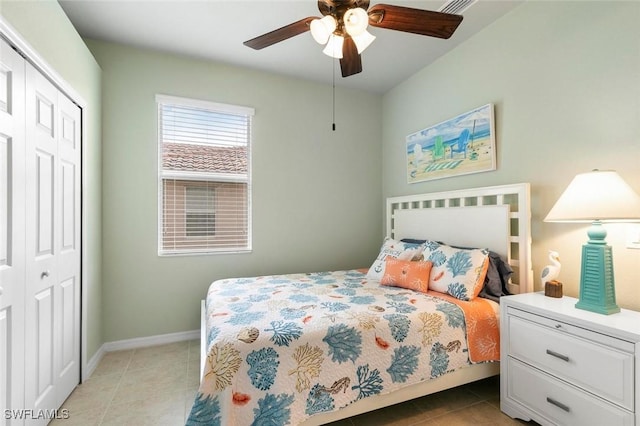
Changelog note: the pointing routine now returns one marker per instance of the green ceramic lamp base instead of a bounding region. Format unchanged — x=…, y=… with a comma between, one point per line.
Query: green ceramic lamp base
x=597, y=285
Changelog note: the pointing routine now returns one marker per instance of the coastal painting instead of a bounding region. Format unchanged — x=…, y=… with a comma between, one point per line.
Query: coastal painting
x=459, y=146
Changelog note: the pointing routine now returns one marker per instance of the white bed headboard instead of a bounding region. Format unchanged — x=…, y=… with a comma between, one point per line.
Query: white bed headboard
x=494, y=217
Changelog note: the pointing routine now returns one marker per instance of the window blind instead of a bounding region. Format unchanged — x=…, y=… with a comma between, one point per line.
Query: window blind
x=204, y=176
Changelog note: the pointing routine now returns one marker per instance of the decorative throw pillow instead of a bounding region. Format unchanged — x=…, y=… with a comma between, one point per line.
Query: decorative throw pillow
x=497, y=279
x=394, y=250
x=457, y=272
x=407, y=274
x=498, y=273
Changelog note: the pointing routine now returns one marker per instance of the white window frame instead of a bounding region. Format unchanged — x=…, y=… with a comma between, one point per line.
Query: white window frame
x=199, y=176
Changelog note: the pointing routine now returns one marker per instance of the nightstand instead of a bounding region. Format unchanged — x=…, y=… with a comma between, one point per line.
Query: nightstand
x=566, y=366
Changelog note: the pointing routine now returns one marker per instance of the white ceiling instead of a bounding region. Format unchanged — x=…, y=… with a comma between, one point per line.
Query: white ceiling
x=215, y=29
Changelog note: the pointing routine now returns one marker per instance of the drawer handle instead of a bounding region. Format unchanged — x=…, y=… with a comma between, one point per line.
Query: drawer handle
x=558, y=404
x=557, y=355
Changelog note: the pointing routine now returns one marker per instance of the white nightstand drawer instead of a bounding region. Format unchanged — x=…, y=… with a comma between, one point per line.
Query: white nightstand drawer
x=604, y=371
x=558, y=402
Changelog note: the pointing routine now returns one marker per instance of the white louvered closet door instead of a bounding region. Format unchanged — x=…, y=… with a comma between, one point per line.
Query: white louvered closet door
x=12, y=230
x=52, y=313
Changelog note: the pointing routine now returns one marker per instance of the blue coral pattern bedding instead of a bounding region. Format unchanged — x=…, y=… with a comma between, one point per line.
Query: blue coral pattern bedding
x=283, y=348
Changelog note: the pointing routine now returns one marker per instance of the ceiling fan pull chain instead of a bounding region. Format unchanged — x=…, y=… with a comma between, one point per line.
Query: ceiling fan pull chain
x=334, y=94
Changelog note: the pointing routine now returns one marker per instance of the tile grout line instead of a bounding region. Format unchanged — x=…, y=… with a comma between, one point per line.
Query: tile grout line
x=116, y=389
x=459, y=409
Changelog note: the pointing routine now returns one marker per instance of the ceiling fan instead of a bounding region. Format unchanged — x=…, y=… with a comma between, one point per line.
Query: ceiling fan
x=344, y=23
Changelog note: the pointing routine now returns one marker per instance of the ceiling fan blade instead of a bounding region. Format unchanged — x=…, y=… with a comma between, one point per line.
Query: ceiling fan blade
x=280, y=34
x=416, y=21
x=350, y=63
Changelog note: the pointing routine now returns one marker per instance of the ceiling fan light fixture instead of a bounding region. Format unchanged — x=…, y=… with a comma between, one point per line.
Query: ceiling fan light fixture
x=363, y=40
x=334, y=46
x=321, y=29
x=342, y=29
x=356, y=21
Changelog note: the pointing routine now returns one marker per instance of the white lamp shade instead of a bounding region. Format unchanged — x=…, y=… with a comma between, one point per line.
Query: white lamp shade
x=334, y=47
x=597, y=195
x=321, y=29
x=363, y=40
x=356, y=21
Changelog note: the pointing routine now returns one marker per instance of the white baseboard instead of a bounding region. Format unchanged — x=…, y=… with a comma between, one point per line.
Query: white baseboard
x=93, y=363
x=139, y=342
x=143, y=342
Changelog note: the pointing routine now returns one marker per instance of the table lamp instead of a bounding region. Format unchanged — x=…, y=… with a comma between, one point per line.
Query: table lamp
x=596, y=197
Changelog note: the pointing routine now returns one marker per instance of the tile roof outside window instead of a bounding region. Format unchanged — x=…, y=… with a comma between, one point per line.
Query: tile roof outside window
x=201, y=158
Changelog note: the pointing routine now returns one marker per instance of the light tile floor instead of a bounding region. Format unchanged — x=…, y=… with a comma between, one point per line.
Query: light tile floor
x=157, y=385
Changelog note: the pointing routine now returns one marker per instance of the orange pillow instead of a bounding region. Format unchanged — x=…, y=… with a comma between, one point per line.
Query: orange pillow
x=407, y=274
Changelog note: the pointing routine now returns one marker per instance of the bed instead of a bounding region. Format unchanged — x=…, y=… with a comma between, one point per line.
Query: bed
x=312, y=348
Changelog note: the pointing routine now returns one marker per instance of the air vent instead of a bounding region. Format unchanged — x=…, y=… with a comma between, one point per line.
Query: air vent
x=456, y=6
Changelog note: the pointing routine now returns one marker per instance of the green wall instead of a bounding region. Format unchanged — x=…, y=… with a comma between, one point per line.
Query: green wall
x=316, y=193
x=564, y=80
x=44, y=25
x=562, y=76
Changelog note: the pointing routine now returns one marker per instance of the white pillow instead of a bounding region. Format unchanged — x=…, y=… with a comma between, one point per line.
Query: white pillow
x=395, y=250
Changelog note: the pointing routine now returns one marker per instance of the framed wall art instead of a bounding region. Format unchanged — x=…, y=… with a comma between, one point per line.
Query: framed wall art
x=461, y=145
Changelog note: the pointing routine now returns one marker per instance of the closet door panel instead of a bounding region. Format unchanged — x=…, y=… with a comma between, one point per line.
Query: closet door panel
x=68, y=196
x=6, y=230
x=44, y=169
x=5, y=201
x=69, y=333
x=53, y=282
x=5, y=361
x=12, y=230
x=45, y=111
x=43, y=299
x=44, y=369
x=68, y=250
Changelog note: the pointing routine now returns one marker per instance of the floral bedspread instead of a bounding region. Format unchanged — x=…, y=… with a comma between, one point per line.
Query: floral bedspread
x=283, y=348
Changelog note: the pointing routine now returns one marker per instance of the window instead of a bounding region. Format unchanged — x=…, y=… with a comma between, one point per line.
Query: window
x=200, y=211
x=204, y=176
